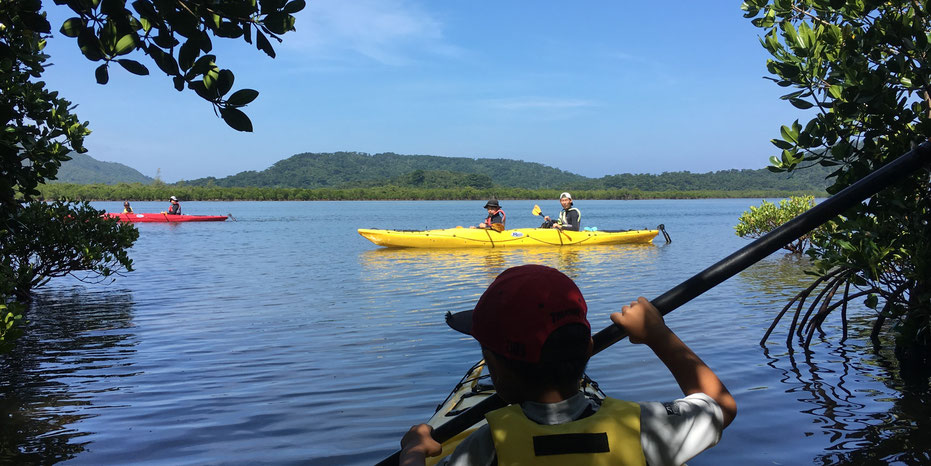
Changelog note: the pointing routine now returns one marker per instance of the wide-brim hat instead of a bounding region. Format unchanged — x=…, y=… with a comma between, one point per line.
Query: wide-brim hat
x=492, y=203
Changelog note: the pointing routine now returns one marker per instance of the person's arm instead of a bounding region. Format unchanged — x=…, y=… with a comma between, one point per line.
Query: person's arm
x=644, y=324
x=417, y=445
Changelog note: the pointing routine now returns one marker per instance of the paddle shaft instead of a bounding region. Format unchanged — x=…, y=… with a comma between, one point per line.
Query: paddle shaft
x=722, y=270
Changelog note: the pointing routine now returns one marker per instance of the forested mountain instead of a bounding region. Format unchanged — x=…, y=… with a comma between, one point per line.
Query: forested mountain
x=355, y=169
x=84, y=169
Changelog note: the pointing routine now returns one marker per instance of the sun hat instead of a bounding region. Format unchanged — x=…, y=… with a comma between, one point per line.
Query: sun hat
x=520, y=309
x=492, y=203
x=566, y=195
x=173, y=198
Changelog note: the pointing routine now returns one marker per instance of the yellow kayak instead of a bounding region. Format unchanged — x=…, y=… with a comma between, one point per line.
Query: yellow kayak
x=485, y=238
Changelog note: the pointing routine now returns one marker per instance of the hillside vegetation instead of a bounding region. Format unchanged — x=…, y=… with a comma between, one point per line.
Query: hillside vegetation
x=354, y=175
x=84, y=169
x=358, y=170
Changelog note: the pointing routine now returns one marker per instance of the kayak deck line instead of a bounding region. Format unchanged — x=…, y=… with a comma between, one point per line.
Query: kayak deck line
x=482, y=237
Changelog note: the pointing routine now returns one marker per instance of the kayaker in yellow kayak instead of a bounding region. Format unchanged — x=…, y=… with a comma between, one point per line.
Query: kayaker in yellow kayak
x=569, y=219
x=536, y=340
x=127, y=209
x=175, y=207
x=496, y=216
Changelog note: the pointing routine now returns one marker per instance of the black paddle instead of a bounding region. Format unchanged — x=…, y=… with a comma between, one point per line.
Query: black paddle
x=722, y=270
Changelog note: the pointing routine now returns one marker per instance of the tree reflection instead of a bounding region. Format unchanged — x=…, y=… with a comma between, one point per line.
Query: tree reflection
x=853, y=414
x=44, y=383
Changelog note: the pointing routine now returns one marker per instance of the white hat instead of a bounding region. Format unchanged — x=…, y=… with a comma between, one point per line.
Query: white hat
x=566, y=195
x=173, y=198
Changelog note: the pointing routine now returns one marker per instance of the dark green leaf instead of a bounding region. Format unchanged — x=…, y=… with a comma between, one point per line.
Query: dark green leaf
x=262, y=44
x=101, y=73
x=295, y=6
x=201, y=90
x=279, y=23
x=72, y=27
x=188, y=53
x=179, y=83
x=242, y=97
x=225, y=82
x=164, y=61
x=801, y=104
x=133, y=67
x=781, y=144
x=125, y=45
x=90, y=45
x=236, y=119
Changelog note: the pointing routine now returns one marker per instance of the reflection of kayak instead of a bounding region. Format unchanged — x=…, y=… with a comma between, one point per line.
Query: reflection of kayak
x=485, y=238
x=162, y=218
x=473, y=388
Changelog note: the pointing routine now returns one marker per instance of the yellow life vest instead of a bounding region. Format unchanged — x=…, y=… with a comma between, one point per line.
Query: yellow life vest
x=611, y=436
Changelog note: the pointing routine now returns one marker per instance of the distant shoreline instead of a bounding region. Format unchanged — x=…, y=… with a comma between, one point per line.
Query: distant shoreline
x=140, y=192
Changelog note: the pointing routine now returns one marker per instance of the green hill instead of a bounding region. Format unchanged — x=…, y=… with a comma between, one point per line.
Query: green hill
x=84, y=169
x=355, y=169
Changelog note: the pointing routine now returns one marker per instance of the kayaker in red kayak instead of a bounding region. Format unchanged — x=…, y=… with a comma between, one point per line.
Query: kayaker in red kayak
x=536, y=340
x=127, y=209
x=496, y=216
x=175, y=207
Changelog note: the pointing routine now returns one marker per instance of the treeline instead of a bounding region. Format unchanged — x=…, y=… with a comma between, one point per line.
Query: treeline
x=358, y=170
x=160, y=192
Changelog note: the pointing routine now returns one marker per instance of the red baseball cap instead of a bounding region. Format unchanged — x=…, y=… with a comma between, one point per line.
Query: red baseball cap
x=520, y=309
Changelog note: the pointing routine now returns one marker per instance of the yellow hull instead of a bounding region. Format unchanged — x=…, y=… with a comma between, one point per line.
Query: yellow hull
x=482, y=238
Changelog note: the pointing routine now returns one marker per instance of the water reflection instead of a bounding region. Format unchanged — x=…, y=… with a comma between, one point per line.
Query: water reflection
x=74, y=340
x=451, y=263
x=777, y=277
x=863, y=425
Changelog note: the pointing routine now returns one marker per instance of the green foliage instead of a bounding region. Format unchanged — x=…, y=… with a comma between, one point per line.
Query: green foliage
x=11, y=314
x=861, y=69
x=39, y=129
x=55, y=239
x=761, y=220
x=177, y=37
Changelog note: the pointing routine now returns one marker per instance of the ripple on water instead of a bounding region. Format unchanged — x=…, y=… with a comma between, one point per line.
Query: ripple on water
x=282, y=339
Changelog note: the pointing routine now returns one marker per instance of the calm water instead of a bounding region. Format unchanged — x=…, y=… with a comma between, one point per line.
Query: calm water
x=285, y=337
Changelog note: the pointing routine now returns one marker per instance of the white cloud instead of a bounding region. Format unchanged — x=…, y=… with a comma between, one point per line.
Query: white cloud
x=391, y=32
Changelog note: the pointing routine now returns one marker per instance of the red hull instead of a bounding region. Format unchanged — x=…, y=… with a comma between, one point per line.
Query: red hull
x=165, y=218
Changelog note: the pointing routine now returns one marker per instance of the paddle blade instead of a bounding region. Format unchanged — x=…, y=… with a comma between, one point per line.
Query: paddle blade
x=536, y=210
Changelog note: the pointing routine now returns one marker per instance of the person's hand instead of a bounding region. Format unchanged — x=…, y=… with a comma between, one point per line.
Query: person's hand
x=418, y=444
x=642, y=321
x=546, y=217
x=557, y=226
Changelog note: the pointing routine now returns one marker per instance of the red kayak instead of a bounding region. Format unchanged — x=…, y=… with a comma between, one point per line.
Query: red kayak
x=165, y=218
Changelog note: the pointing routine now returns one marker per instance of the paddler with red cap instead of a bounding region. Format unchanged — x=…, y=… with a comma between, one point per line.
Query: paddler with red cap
x=535, y=336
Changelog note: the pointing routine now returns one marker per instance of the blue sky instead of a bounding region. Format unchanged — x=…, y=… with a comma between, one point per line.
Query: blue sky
x=595, y=88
